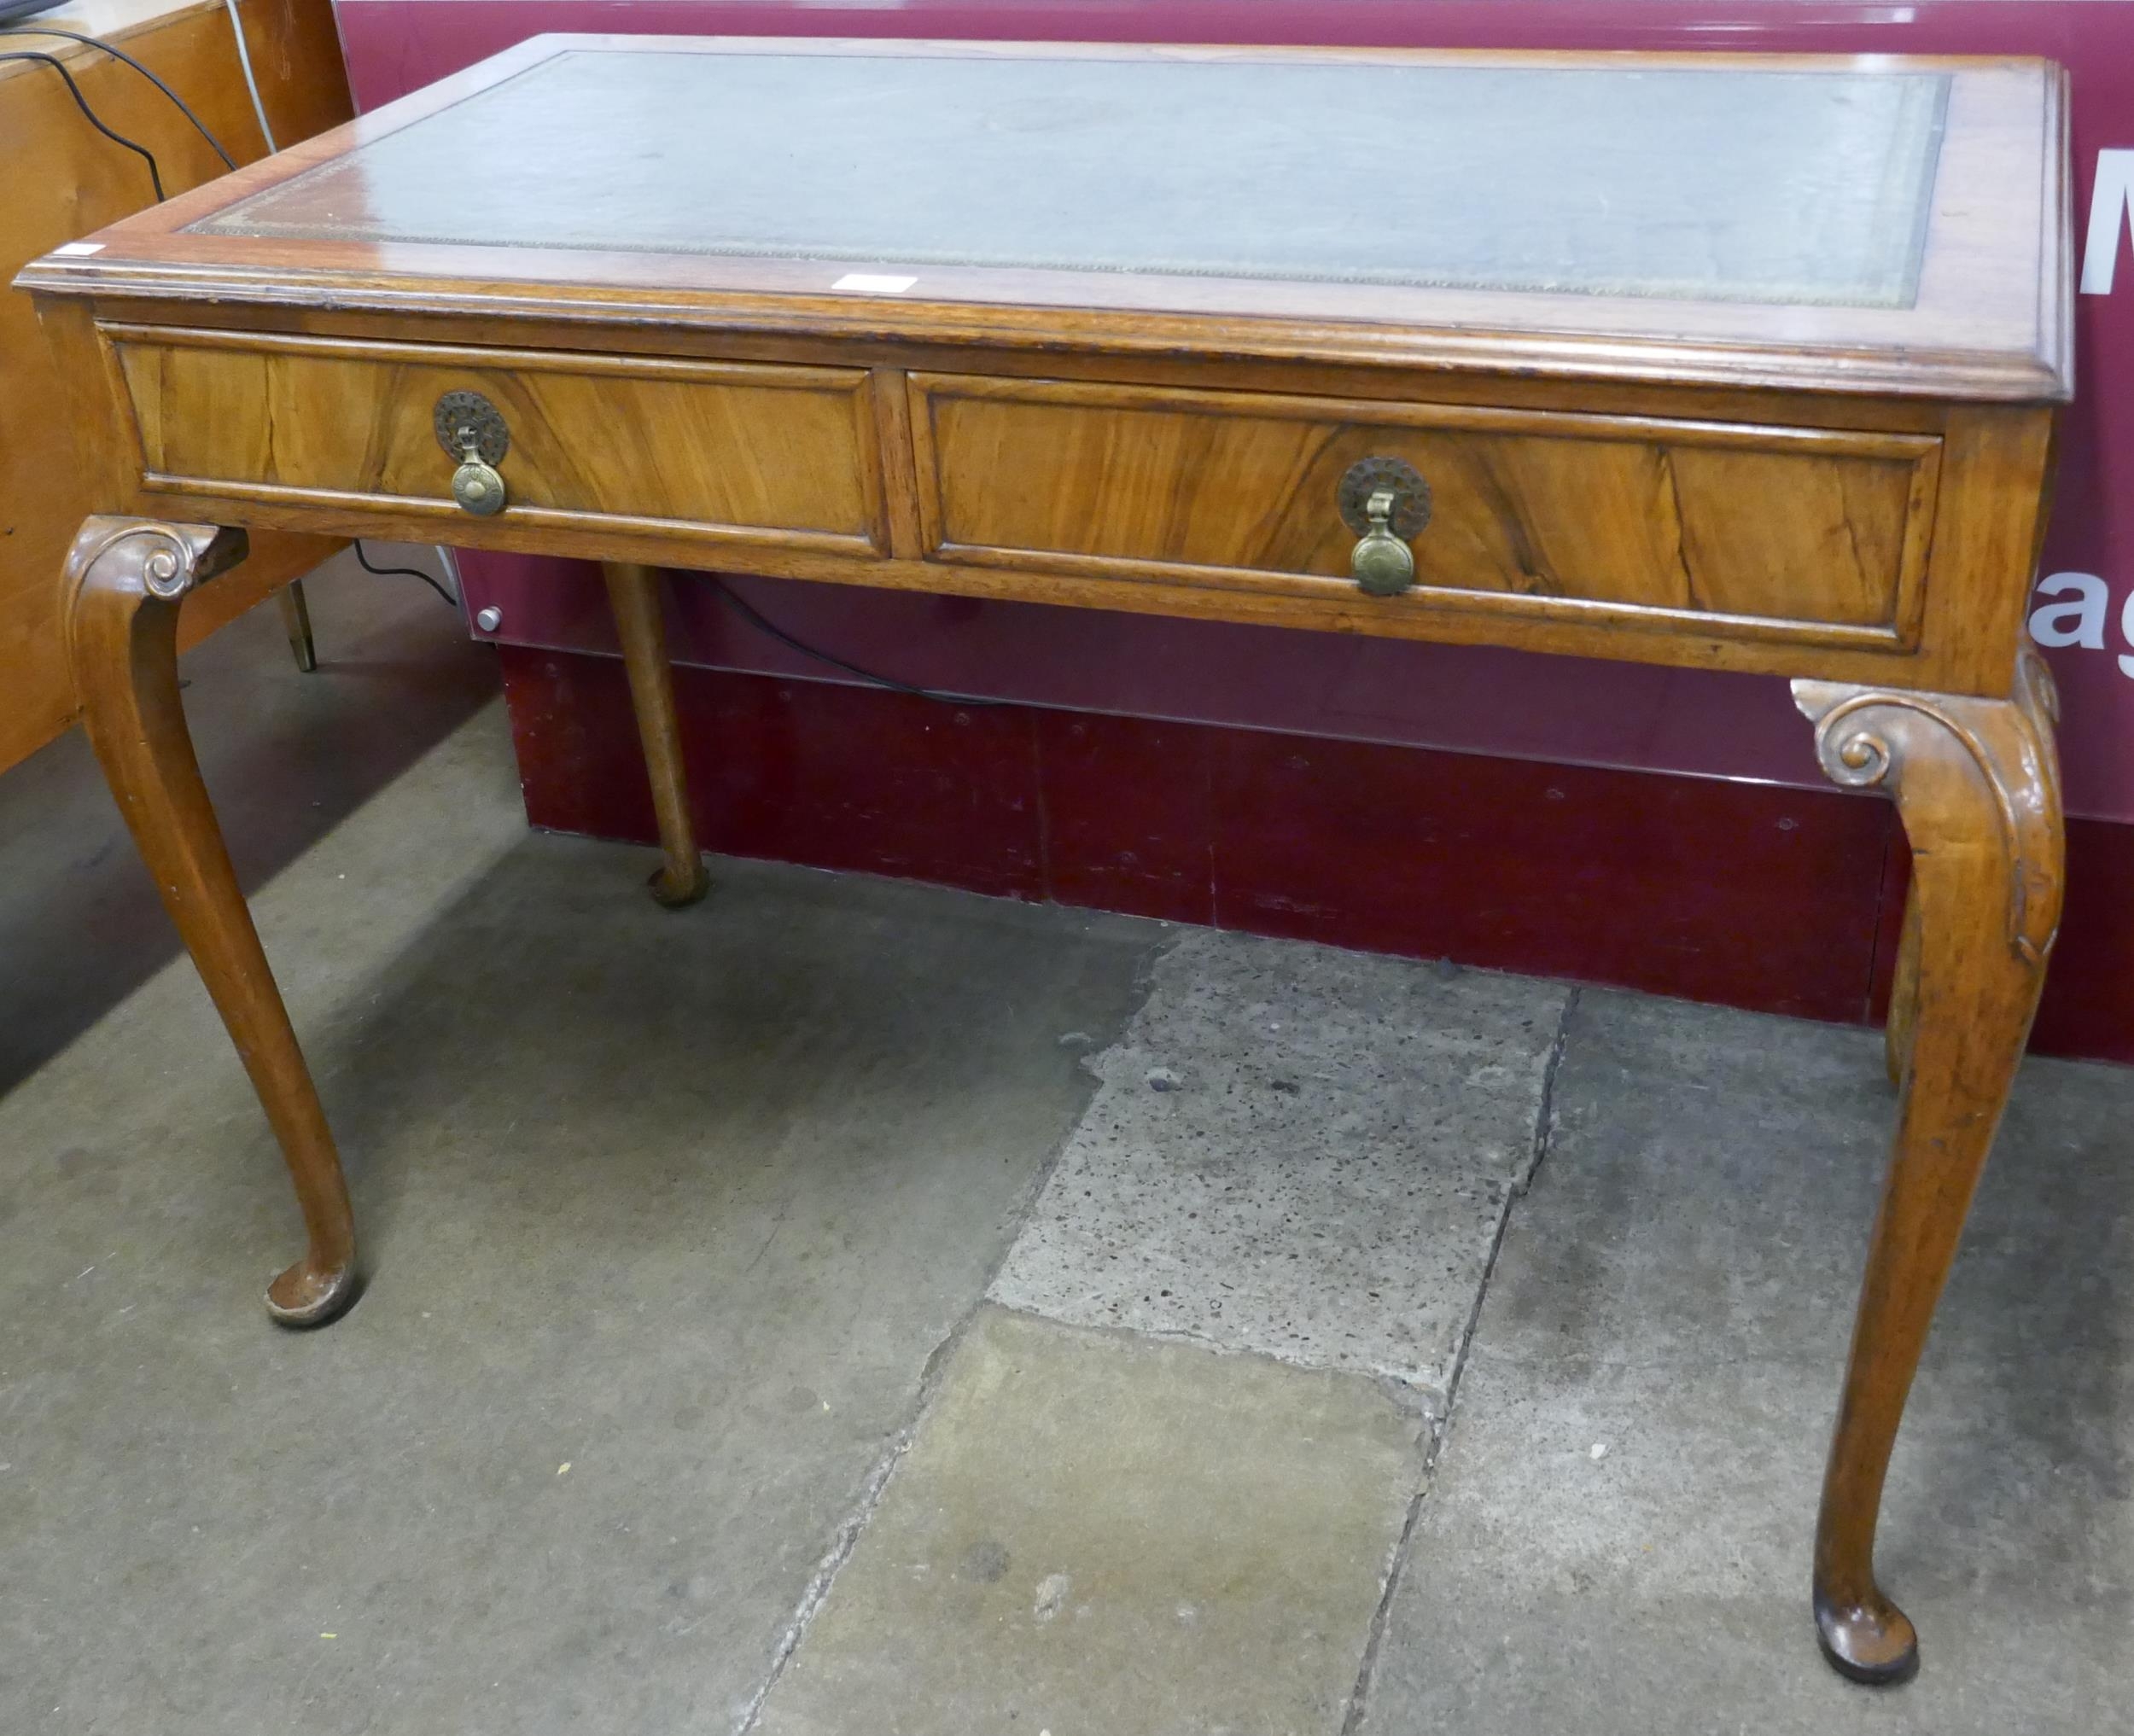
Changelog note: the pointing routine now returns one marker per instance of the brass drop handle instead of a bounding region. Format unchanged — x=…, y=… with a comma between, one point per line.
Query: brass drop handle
x=472, y=429
x=1381, y=563
x=477, y=486
x=1387, y=504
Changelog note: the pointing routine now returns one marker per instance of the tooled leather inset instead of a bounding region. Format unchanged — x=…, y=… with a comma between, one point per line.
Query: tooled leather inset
x=167, y=560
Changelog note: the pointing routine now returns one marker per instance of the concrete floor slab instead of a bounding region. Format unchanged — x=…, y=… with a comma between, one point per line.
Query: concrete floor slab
x=1095, y=1535
x=1298, y=1152
x=1676, y=1291
x=665, y=1214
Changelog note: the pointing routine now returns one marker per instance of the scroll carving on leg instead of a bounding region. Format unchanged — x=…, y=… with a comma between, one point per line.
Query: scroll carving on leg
x=1977, y=782
x=124, y=581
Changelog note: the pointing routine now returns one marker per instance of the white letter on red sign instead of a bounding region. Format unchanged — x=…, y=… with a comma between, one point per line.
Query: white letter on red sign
x=2111, y=201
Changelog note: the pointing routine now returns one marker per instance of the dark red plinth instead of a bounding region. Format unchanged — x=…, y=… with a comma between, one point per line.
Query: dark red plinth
x=1758, y=896
x=1750, y=895
x=808, y=771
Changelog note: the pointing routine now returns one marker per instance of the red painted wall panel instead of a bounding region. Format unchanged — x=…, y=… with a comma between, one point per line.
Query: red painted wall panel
x=1761, y=896
x=1750, y=894
x=1754, y=895
x=798, y=772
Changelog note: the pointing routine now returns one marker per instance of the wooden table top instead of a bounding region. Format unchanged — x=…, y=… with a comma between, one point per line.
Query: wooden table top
x=1832, y=223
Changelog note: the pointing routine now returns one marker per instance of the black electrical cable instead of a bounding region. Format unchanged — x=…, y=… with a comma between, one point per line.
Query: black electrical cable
x=364, y=561
x=119, y=54
x=155, y=175
x=746, y=611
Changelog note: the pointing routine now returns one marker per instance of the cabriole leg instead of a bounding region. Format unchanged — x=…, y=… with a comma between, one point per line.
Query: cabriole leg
x=633, y=594
x=1896, y=1034
x=1977, y=782
x=124, y=581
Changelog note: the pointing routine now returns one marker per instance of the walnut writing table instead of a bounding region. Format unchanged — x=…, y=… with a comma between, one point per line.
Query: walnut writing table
x=1741, y=362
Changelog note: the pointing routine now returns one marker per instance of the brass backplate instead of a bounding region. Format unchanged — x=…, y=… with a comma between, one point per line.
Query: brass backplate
x=468, y=417
x=1411, y=495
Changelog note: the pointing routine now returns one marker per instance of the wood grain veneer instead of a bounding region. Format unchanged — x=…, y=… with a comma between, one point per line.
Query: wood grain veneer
x=719, y=453
x=1814, y=534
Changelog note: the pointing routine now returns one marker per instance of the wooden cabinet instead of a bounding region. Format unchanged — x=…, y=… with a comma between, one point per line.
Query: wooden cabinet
x=64, y=179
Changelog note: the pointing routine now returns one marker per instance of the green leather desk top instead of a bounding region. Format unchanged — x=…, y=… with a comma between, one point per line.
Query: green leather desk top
x=1729, y=184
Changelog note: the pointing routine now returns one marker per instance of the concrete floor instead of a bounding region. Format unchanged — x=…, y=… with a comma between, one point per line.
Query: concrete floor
x=855, y=1308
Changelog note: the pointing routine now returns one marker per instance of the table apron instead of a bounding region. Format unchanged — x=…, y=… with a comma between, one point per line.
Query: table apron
x=1889, y=555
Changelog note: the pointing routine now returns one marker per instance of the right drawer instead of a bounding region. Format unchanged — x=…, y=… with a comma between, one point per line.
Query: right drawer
x=1762, y=532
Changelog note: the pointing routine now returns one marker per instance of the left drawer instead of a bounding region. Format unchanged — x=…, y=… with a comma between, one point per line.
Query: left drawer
x=708, y=453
